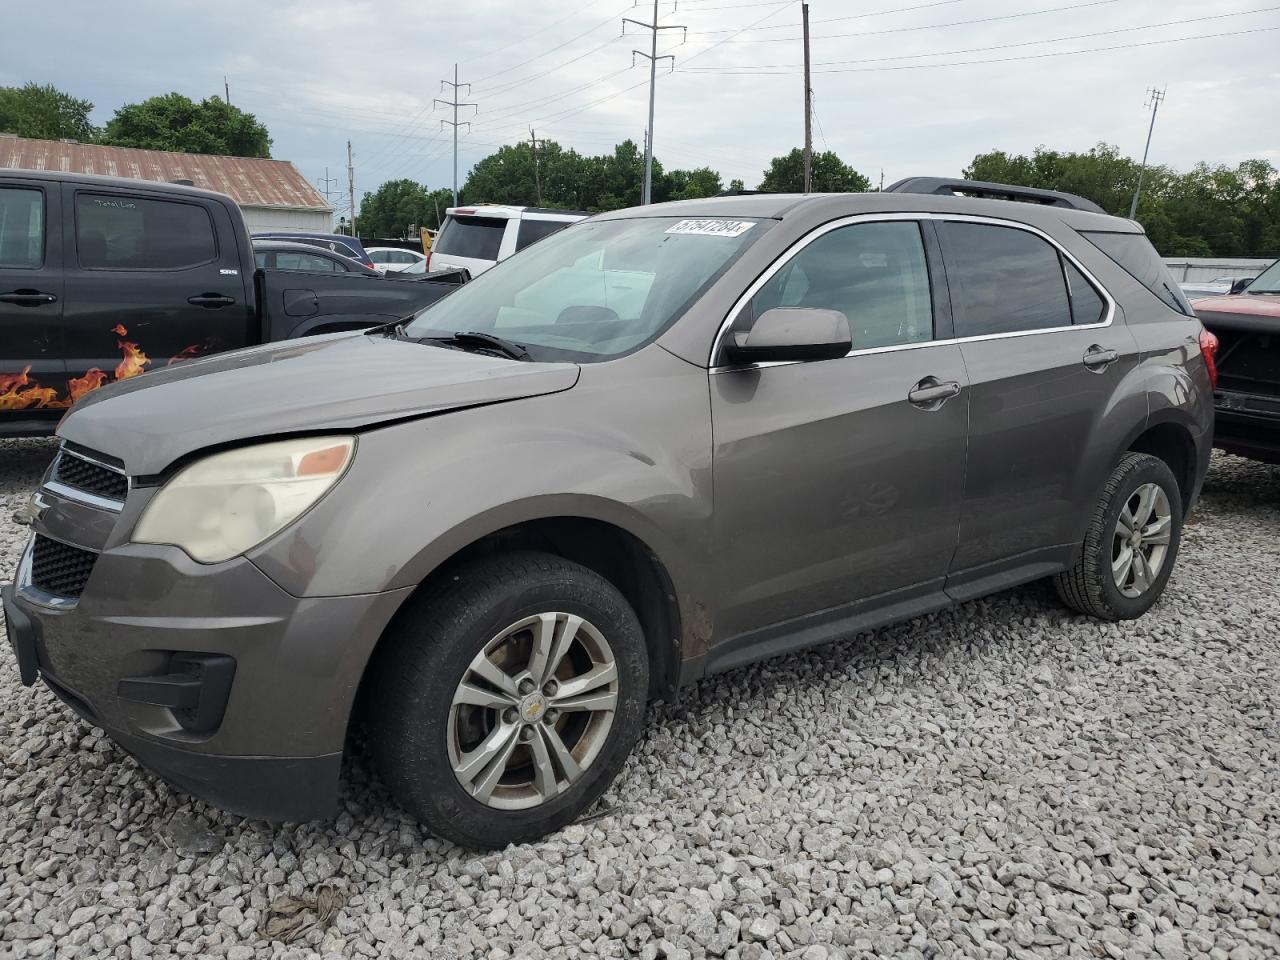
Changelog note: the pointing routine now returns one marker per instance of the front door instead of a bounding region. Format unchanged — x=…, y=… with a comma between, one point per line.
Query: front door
x=838, y=483
x=148, y=284
x=33, y=378
x=1046, y=355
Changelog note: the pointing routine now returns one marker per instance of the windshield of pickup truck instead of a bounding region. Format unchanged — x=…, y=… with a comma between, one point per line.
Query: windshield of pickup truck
x=1266, y=282
x=595, y=290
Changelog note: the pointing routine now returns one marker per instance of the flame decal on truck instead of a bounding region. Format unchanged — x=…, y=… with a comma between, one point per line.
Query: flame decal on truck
x=20, y=391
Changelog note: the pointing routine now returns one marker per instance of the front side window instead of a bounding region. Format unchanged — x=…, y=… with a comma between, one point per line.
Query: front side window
x=1138, y=258
x=21, y=227
x=873, y=273
x=599, y=290
x=1003, y=280
x=131, y=233
x=477, y=238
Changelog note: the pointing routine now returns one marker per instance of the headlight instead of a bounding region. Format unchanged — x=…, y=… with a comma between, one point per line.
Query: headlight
x=221, y=506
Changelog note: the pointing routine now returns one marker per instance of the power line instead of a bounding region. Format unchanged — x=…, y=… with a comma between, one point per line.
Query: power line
x=560, y=46
x=855, y=16
x=1154, y=99
x=999, y=46
x=455, y=86
x=653, y=57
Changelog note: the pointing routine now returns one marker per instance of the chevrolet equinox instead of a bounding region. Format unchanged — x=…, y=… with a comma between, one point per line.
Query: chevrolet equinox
x=660, y=444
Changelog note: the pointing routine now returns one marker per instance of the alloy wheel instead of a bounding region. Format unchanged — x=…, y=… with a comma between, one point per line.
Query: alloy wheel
x=532, y=711
x=1141, y=540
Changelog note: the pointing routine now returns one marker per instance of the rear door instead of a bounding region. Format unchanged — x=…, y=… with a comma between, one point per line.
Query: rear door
x=470, y=242
x=1046, y=352
x=150, y=280
x=33, y=379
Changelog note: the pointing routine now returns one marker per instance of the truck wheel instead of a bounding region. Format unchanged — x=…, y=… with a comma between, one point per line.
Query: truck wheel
x=1131, y=544
x=508, y=698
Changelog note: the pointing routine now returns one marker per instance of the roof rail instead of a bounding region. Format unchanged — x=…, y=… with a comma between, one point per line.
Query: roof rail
x=942, y=186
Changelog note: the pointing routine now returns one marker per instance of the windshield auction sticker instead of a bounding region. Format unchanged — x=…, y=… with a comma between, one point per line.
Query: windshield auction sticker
x=712, y=228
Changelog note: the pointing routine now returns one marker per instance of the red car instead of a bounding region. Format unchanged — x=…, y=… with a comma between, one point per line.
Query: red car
x=1247, y=399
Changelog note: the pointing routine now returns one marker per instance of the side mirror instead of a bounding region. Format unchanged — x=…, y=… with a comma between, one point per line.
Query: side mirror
x=1241, y=285
x=788, y=334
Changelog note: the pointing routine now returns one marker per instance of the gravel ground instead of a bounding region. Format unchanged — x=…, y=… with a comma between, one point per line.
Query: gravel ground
x=998, y=780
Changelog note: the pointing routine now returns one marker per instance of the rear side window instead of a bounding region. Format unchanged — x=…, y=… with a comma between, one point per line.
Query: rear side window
x=132, y=233
x=1087, y=305
x=311, y=263
x=1003, y=280
x=21, y=227
x=479, y=238
x=531, y=231
x=1134, y=252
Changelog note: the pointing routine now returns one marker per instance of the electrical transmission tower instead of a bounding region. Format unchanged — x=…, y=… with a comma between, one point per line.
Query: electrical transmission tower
x=325, y=184
x=534, y=142
x=455, y=86
x=652, y=56
x=1154, y=99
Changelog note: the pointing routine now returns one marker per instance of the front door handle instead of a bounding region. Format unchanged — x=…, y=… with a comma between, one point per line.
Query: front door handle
x=931, y=393
x=27, y=298
x=1098, y=359
x=211, y=300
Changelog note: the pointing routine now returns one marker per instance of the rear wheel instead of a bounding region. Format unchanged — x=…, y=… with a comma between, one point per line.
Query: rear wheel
x=508, y=699
x=1131, y=544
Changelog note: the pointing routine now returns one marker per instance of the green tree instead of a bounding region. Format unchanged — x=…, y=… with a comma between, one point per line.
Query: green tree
x=175, y=122
x=399, y=208
x=830, y=175
x=692, y=184
x=45, y=113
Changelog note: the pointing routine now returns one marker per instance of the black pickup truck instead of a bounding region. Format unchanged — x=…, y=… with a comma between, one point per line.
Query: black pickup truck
x=103, y=278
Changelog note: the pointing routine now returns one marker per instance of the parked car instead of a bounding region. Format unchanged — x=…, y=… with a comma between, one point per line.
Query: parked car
x=1217, y=287
x=1247, y=401
x=102, y=279
x=475, y=238
x=398, y=260
x=304, y=258
x=660, y=445
x=333, y=242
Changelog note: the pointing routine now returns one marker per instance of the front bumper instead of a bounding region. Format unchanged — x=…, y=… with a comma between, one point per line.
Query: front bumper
x=275, y=745
x=1248, y=425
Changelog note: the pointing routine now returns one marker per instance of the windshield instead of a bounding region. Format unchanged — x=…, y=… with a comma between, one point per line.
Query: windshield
x=595, y=290
x=1268, y=281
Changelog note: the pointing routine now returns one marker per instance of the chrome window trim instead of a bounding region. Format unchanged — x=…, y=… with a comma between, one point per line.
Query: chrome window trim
x=33, y=594
x=791, y=252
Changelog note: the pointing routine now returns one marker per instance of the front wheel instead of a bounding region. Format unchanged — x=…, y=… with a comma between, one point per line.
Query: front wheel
x=1131, y=544
x=508, y=698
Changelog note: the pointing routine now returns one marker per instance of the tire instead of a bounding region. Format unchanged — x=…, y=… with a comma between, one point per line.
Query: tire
x=418, y=733
x=1090, y=585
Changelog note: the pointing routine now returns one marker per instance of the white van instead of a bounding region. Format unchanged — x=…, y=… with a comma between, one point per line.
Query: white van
x=475, y=238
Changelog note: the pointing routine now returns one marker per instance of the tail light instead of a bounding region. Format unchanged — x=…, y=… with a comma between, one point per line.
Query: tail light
x=1209, y=350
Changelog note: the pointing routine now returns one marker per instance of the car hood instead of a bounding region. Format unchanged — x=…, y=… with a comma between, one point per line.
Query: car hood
x=335, y=382
x=1246, y=312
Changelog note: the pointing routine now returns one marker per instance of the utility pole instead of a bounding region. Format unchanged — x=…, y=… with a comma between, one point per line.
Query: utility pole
x=808, y=106
x=882, y=179
x=646, y=196
x=537, y=179
x=455, y=86
x=351, y=189
x=1154, y=99
x=226, y=89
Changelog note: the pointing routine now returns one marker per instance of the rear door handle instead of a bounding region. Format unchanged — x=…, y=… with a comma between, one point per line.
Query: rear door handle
x=27, y=298
x=1098, y=359
x=931, y=393
x=211, y=300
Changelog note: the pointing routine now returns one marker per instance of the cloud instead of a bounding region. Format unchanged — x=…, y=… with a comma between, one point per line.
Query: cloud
x=321, y=72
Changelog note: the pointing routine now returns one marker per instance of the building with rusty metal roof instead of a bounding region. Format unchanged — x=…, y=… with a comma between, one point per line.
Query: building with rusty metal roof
x=272, y=193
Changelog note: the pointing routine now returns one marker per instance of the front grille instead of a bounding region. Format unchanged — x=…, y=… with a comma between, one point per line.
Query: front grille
x=75, y=471
x=59, y=568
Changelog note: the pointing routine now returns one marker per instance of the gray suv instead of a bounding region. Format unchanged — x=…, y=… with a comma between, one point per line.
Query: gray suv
x=661, y=444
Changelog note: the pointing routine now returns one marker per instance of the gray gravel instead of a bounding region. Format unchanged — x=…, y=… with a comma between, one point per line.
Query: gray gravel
x=999, y=780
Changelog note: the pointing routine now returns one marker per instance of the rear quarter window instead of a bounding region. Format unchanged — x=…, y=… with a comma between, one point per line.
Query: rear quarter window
x=1134, y=254
x=531, y=231
x=477, y=238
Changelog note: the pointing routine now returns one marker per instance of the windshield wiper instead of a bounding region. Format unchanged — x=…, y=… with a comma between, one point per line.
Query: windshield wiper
x=487, y=341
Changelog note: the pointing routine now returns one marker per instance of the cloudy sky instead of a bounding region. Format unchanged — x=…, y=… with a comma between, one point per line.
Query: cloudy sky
x=907, y=86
